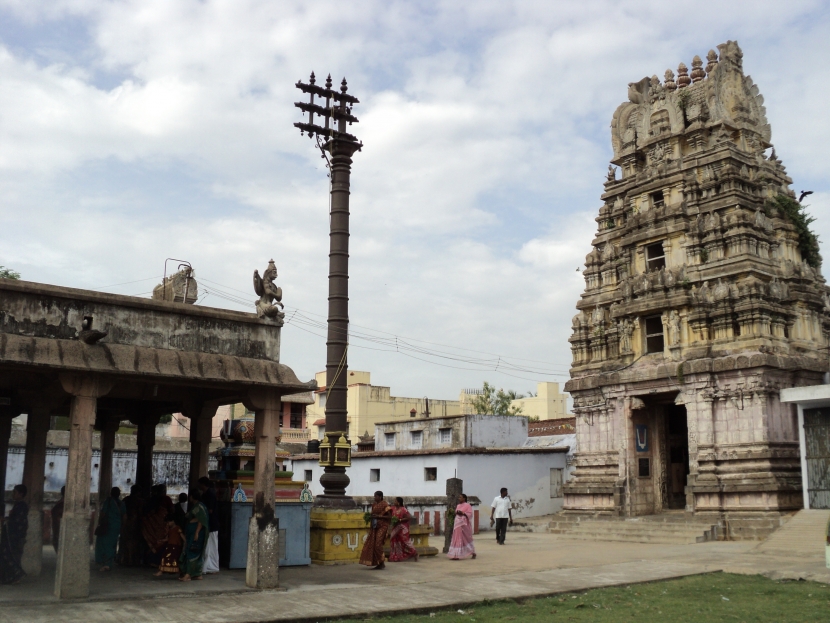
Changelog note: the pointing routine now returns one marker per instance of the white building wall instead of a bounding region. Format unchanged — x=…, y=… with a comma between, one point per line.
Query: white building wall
x=496, y=431
x=170, y=468
x=527, y=477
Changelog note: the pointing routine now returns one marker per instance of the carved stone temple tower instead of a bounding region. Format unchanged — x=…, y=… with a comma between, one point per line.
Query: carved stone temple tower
x=703, y=299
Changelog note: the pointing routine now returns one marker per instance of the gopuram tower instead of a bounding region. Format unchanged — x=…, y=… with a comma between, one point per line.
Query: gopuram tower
x=703, y=299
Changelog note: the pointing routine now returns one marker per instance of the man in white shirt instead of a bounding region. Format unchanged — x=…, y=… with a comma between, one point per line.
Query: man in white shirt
x=500, y=514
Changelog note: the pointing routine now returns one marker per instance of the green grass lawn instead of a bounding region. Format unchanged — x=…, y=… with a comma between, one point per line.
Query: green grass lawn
x=705, y=598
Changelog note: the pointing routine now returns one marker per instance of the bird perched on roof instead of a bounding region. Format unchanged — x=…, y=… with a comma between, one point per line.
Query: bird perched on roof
x=91, y=336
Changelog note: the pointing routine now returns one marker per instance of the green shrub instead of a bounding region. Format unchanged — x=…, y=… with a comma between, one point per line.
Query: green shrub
x=796, y=214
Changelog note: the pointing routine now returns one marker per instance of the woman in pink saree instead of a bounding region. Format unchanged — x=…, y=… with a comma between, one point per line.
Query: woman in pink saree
x=461, y=545
x=400, y=545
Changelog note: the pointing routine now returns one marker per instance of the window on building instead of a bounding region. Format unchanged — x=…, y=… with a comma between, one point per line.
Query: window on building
x=657, y=199
x=555, y=482
x=374, y=475
x=655, y=256
x=430, y=473
x=321, y=399
x=321, y=432
x=644, y=468
x=297, y=410
x=417, y=439
x=446, y=436
x=389, y=441
x=654, y=334
x=308, y=476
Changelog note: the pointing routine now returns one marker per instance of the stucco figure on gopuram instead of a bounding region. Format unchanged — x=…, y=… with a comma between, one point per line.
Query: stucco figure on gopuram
x=703, y=299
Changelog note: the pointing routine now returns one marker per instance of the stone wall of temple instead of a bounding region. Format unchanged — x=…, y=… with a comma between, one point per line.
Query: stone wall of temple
x=702, y=300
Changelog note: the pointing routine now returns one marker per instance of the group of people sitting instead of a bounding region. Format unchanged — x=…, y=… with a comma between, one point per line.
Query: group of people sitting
x=151, y=530
x=382, y=515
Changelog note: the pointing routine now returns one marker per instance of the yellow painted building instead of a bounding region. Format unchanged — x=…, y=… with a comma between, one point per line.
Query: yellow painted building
x=547, y=404
x=369, y=404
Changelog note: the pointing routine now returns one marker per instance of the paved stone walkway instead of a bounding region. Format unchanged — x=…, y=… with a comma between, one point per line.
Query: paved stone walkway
x=530, y=564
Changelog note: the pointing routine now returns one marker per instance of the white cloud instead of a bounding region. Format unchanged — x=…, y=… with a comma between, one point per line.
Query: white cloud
x=165, y=129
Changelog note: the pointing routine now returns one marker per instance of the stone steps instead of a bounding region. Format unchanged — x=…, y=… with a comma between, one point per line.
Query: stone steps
x=804, y=533
x=638, y=530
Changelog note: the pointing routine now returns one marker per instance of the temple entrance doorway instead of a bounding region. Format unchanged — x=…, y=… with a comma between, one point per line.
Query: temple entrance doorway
x=676, y=443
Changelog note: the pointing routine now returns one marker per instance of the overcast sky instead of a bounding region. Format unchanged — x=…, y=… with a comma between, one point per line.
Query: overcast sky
x=139, y=130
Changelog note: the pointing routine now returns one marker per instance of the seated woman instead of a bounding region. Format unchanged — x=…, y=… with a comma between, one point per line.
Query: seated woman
x=400, y=544
x=172, y=548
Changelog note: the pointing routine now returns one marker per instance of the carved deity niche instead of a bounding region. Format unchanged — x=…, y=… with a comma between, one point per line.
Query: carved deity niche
x=660, y=123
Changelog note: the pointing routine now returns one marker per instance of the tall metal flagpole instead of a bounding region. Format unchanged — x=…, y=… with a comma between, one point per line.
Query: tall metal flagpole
x=335, y=449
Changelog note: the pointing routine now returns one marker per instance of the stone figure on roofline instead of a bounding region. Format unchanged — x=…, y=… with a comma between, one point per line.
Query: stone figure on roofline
x=721, y=290
x=626, y=328
x=270, y=295
x=674, y=328
x=704, y=294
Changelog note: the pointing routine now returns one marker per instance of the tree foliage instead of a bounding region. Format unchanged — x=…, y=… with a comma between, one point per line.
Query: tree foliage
x=496, y=402
x=796, y=214
x=7, y=273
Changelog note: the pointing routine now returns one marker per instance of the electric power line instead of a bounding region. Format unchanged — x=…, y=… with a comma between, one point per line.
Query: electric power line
x=392, y=343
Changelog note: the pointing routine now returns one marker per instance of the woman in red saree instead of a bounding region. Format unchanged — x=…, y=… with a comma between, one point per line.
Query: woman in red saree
x=400, y=545
x=372, y=554
x=461, y=545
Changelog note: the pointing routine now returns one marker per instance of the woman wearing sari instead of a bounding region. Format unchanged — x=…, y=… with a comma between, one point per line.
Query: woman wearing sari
x=109, y=528
x=13, y=538
x=195, y=539
x=131, y=549
x=461, y=545
x=153, y=524
x=372, y=553
x=400, y=545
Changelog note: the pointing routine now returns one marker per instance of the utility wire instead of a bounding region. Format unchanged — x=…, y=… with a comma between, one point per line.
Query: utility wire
x=385, y=341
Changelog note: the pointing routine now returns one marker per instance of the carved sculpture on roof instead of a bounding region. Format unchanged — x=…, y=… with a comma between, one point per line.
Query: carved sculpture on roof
x=720, y=291
x=673, y=322
x=712, y=61
x=721, y=93
x=270, y=294
x=669, y=84
x=712, y=221
x=626, y=329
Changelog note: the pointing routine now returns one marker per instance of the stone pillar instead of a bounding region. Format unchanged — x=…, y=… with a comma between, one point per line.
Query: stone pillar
x=455, y=487
x=144, y=457
x=72, y=574
x=263, y=530
x=5, y=433
x=201, y=430
x=108, y=430
x=34, y=470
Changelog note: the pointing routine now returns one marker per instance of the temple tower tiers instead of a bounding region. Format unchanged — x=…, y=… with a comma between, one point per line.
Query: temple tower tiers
x=703, y=299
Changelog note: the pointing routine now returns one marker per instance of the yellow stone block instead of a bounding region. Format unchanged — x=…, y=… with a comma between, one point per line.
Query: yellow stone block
x=337, y=536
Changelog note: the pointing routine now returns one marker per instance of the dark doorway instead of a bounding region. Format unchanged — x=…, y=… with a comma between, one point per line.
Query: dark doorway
x=677, y=456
